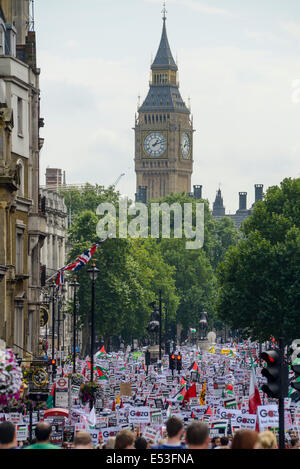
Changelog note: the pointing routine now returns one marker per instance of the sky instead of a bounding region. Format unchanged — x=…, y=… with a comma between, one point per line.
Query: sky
x=239, y=62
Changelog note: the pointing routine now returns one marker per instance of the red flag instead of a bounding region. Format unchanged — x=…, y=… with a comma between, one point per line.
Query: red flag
x=209, y=411
x=195, y=367
x=190, y=393
x=114, y=406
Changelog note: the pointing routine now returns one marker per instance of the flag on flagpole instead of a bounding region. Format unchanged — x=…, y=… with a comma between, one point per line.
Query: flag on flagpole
x=191, y=392
x=49, y=402
x=254, y=396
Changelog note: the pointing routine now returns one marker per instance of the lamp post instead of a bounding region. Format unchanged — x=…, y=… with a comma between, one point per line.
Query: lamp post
x=93, y=271
x=53, y=287
x=75, y=285
x=46, y=301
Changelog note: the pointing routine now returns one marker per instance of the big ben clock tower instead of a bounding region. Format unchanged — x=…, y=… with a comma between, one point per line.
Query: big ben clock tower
x=163, y=130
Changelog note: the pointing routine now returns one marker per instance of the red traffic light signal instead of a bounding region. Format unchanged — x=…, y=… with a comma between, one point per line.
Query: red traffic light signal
x=172, y=361
x=179, y=362
x=276, y=374
x=53, y=362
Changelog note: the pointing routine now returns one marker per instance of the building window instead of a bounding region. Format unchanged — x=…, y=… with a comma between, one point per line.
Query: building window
x=19, y=251
x=18, y=329
x=20, y=168
x=2, y=40
x=29, y=334
x=20, y=116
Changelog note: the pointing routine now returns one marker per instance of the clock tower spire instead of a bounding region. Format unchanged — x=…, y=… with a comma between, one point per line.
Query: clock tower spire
x=163, y=130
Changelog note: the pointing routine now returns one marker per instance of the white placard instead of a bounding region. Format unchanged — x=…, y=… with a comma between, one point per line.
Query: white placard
x=139, y=415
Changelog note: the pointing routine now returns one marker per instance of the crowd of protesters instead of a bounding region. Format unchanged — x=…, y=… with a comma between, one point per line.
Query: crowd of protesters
x=195, y=437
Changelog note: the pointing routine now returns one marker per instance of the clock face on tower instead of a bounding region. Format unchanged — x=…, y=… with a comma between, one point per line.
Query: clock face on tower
x=155, y=144
x=185, y=146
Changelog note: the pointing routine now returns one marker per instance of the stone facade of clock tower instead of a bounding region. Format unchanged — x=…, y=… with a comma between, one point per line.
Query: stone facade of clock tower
x=163, y=131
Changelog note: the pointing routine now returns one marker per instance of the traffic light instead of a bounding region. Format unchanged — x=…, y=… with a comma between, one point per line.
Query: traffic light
x=172, y=361
x=179, y=362
x=147, y=358
x=53, y=364
x=276, y=387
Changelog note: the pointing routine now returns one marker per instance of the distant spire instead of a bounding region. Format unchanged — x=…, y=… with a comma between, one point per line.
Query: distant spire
x=164, y=12
x=164, y=57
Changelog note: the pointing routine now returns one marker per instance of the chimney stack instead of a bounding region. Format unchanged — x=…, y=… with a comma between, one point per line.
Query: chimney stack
x=258, y=192
x=243, y=201
x=197, y=192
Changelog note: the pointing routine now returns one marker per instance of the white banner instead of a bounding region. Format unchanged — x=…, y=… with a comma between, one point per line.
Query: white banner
x=139, y=415
x=268, y=416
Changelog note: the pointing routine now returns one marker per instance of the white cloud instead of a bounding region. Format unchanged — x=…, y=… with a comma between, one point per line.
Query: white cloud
x=292, y=28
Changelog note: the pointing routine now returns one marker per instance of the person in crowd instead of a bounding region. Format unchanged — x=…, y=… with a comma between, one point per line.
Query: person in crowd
x=174, y=427
x=266, y=440
x=294, y=444
x=8, y=436
x=197, y=436
x=215, y=442
x=244, y=439
x=125, y=440
x=83, y=440
x=224, y=443
x=43, y=435
x=141, y=443
x=110, y=444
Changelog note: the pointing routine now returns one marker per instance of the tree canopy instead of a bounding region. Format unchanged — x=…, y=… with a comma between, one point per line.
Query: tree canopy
x=260, y=277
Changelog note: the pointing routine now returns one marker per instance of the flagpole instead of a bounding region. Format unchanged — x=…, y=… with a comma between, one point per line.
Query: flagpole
x=75, y=284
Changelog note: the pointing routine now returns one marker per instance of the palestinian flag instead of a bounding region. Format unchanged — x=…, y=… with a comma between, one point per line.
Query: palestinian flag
x=101, y=352
x=229, y=403
x=101, y=374
x=179, y=396
x=49, y=402
x=193, y=367
x=219, y=424
x=191, y=392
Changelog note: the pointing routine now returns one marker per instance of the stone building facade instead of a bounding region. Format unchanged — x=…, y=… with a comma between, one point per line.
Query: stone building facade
x=53, y=257
x=23, y=226
x=163, y=131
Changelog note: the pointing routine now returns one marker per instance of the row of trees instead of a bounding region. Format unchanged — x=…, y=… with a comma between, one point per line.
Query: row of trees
x=133, y=271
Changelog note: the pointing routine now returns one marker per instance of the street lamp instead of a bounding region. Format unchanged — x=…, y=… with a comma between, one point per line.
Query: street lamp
x=53, y=287
x=46, y=301
x=93, y=271
x=75, y=285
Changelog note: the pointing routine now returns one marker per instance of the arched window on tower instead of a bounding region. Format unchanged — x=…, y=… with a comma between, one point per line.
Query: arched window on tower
x=145, y=119
x=156, y=118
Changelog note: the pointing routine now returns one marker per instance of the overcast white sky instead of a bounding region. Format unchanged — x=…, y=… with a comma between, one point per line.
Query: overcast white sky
x=239, y=61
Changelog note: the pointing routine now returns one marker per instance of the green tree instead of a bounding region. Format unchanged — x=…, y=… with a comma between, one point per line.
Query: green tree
x=260, y=278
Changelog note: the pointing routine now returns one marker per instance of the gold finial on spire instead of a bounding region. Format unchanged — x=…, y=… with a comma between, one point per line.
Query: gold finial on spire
x=164, y=12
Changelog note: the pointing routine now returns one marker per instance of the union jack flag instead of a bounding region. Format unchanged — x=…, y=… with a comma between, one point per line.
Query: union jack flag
x=82, y=260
